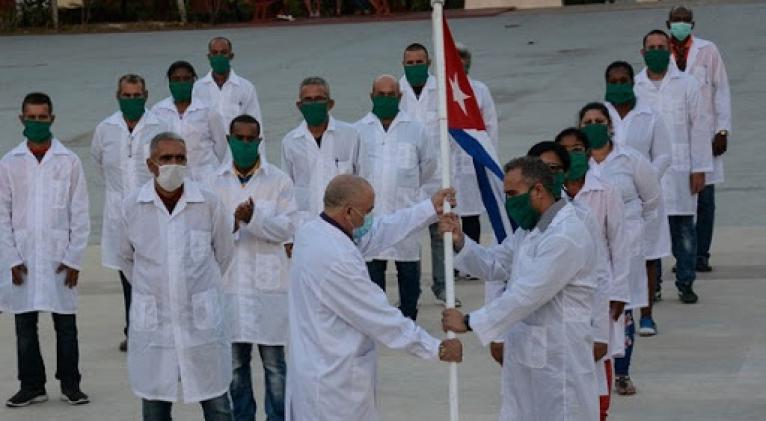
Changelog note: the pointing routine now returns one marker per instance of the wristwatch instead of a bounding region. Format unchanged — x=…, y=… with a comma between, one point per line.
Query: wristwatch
x=723, y=132
x=467, y=322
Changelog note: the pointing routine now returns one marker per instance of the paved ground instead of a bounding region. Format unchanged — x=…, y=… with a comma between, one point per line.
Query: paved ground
x=707, y=363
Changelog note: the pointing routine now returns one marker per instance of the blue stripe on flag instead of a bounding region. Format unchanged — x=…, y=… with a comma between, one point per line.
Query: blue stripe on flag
x=490, y=202
x=476, y=151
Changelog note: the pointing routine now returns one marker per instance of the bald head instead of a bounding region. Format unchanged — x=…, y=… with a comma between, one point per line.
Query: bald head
x=347, y=190
x=385, y=84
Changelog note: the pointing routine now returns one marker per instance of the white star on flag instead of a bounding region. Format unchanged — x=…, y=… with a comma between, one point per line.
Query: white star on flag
x=458, y=95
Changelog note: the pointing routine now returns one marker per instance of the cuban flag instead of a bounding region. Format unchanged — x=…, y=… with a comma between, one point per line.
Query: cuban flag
x=467, y=128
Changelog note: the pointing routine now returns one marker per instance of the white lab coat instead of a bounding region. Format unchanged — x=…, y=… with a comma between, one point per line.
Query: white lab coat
x=337, y=315
x=468, y=196
x=237, y=96
x=679, y=102
x=545, y=316
x=43, y=223
x=704, y=62
x=605, y=205
x=636, y=180
x=643, y=130
x=120, y=156
x=255, y=286
x=203, y=132
x=178, y=329
x=402, y=168
x=311, y=167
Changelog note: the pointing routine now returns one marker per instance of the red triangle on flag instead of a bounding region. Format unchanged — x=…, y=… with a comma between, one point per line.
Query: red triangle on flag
x=462, y=107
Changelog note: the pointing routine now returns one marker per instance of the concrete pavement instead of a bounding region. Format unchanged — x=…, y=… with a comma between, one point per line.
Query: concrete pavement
x=706, y=364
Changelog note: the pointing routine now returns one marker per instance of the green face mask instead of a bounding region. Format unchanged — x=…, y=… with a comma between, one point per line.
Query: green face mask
x=37, y=131
x=558, y=184
x=245, y=154
x=597, y=134
x=220, y=64
x=181, y=91
x=657, y=60
x=132, y=108
x=620, y=93
x=520, y=210
x=578, y=165
x=681, y=30
x=385, y=107
x=315, y=113
x=416, y=74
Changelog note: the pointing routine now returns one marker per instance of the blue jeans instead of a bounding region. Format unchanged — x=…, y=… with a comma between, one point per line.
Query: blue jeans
x=684, y=245
x=408, y=275
x=437, y=259
x=30, y=361
x=622, y=365
x=705, y=221
x=275, y=371
x=216, y=409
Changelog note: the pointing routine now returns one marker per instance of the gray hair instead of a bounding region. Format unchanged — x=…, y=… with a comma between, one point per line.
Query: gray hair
x=533, y=171
x=132, y=79
x=384, y=77
x=315, y=80
x=343, y=190
x=219, y=38
x=164, y=136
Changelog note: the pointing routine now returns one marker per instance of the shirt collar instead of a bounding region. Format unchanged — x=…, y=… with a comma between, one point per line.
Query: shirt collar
x=233, y=78
x=191, y=194
x=335, y=224
x=169, y=104
x=547, y=217
x=147, y=118
x=57, y=148
x=304, y=129
x=371, y=118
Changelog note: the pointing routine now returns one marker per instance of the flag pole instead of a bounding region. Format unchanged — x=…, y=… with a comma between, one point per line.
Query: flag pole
x=449, y=275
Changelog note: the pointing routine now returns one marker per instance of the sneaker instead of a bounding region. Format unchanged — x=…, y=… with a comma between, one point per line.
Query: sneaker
x=288, y=18
x=74, y=396
x=687, y=295
x=657, y=295
x=623, y=386
x=647, y=327
x=441, y=298
x=123, y=346
x=26, y=398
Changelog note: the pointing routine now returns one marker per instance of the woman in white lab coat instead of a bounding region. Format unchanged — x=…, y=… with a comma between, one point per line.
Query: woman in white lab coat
x=636, y=179
x=638, y=126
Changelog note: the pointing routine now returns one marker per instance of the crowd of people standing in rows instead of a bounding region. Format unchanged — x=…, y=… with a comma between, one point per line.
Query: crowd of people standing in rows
x=220, y=251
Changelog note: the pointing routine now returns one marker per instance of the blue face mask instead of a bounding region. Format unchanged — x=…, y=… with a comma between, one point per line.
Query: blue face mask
x=361, y=231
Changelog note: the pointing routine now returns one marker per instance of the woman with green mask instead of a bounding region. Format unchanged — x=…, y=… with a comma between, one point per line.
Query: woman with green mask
x=638, y=126
x=201, y=128
x=636, y=180
x=603, y=202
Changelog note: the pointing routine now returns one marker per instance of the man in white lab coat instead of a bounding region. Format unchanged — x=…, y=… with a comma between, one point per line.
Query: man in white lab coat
x=119, y=149
x=419, y=101
x=677, y=98
x=337, y=315
x=260, y=196
x=701, y=59
x=545, y=312
x=44, y=228
x=201, y=127
x=396, y=158
x=223, y=90
x=176, y=243
x=464, y=178
x=320, y=148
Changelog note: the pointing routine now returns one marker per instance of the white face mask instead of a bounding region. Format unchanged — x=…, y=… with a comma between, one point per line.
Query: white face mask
x=171, y=177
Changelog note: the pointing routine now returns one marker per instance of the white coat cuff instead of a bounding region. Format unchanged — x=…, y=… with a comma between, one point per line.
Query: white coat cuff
x=460, y=257
x=480, y=324
x=70, y=264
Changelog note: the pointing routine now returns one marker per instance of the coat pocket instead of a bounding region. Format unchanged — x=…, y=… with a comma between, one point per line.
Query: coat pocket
x=407, y=155
x=529, y=345
x=58, y=193
x=143, y=312
x=206, y=309
x=200, y=245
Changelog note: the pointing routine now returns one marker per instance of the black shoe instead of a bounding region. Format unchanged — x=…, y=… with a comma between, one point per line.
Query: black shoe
x=687, y=295
x=74, y=396
x=703, y=267
x=124, y=346
x=26, y=398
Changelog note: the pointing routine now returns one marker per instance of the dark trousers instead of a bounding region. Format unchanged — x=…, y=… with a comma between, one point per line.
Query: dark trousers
x=30, y=361
x=216, y=409
x=472, y=227
x=622, y=365
x=126, y=291
x=408, y=275
x=705, y=221
x=683, y=237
